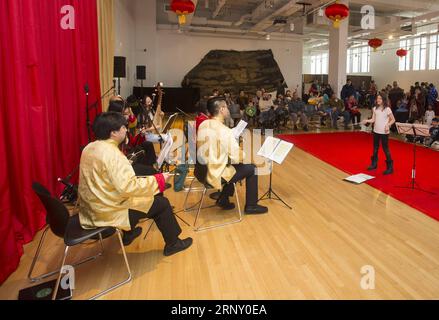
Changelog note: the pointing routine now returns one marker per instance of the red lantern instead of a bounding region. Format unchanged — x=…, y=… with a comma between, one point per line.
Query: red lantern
x=401, y=53
x=337, y=12
x=182, y=8
x=375, y=43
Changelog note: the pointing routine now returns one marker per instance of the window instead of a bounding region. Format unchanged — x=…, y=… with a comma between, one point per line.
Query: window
x=358, y=60
x=434, y=52
x=404, y=62
x=420, y=53
x=319, y=64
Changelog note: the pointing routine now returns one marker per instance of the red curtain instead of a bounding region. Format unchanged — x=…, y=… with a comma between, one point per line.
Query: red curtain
x=43, y=72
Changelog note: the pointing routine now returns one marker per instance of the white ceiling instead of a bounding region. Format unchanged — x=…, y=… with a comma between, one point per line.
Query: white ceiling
x=256, y=18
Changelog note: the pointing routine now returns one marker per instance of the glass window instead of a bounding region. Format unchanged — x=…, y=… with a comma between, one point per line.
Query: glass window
x=404, y=63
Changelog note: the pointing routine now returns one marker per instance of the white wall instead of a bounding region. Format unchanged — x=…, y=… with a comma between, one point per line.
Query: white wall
x=124, y=31
x=178, y=53
x=170, y=56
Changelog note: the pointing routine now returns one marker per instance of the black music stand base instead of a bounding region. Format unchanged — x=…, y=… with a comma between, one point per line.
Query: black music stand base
x=412, y=187
x=271, y=195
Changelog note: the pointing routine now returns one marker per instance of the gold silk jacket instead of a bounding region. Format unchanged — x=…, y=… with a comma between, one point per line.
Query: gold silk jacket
x=108, y=187
x=218, y=148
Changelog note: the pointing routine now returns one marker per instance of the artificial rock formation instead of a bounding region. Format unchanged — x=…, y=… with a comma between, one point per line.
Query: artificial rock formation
x=234, y=71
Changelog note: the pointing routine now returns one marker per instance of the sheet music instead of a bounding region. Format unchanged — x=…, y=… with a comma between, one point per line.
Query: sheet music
x=239, y=129
x=165, y=150
x=275, y=149
x=268, y=147
x=359, y=178
x=281, y=151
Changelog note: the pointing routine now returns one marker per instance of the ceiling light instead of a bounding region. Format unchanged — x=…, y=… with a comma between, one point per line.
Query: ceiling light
x=390, y=37
x=267, y=37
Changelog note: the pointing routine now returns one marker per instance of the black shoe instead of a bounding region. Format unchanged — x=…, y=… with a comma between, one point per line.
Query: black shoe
x=225, y=205
x=295, y=128
x=167, y=186
x=374, y=164
x=180, y=245
x=128, y=237
x=256, y=209
x=305, y=128
x=389, y=169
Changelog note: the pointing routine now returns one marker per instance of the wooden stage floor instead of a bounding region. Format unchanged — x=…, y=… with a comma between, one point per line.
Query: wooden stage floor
x=315, y=251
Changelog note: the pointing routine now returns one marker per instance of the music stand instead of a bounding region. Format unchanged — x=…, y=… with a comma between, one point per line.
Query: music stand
x=274, y=150
x=169, y=123
x=417, y=130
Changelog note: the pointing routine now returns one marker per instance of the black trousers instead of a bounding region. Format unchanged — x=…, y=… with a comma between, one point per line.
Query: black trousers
x=142, y=170
x=161, y=212
x=247, y=172
x=384, y=138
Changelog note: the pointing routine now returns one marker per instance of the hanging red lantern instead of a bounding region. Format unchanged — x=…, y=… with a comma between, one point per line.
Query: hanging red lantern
x=337, y=12
x=401, y=53
x=375, y=43
x=182, y=8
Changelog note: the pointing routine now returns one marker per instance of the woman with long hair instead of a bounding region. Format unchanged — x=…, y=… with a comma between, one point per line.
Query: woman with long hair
x=382, y=119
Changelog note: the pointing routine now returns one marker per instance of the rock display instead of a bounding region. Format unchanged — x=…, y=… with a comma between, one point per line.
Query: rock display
x=234, y=71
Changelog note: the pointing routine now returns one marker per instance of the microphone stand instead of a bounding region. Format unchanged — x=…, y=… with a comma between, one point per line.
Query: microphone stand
x=93, y=106
x=86, y=88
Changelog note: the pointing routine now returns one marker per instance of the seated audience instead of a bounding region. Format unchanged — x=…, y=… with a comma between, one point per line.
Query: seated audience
x=338, y=110
x=296, y=107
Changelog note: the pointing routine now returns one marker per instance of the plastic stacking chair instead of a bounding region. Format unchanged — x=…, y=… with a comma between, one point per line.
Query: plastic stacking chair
x=69, y=229
x=200, y=175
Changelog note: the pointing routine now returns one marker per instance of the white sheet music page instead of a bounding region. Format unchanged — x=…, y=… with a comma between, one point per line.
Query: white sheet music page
x=359, y=178
x=166, y=149
x=268, y=147
x=281, y=151
x=239, y=129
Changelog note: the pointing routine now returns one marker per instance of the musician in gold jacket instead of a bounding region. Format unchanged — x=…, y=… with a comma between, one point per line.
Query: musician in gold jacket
x=109, y=190
x=220, y=152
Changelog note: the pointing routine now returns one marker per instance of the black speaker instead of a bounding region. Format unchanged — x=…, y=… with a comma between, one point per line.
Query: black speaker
x=119, y=67
x=141, y=73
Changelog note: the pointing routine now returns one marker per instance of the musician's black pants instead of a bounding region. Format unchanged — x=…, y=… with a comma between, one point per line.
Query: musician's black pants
x=149, y=158
x=142, y=170
x=161, y=212
x=384, y=138
x=248, y=172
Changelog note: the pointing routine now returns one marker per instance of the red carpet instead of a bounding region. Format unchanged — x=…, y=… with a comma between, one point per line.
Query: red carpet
x=351, y=152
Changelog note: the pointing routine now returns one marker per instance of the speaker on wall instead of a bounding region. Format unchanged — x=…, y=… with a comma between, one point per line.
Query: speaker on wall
x=141, y=72
x=120, y=67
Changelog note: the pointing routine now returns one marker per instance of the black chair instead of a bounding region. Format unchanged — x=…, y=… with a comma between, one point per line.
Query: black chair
x=200, y=174
x=69, y=229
